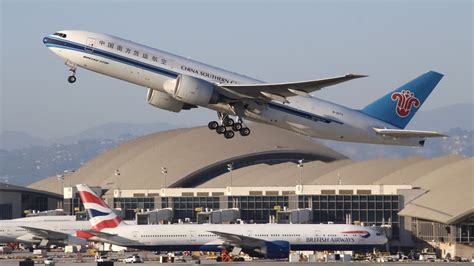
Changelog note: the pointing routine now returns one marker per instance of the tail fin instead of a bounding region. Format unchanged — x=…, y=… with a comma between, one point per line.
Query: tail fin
x=101, y=216
x=399, y=106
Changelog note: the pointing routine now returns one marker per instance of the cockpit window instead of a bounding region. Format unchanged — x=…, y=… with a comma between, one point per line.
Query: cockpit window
x=62, y=35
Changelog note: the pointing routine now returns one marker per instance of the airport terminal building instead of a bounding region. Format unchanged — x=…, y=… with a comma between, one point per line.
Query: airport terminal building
x=189, y=175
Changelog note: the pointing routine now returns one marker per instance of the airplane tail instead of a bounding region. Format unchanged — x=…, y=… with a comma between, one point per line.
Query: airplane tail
x=399, y=106
x=101, y=216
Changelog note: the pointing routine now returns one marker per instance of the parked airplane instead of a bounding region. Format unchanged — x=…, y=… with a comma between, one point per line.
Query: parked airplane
x=175, y=83
x=43, y=230
x=259, y=240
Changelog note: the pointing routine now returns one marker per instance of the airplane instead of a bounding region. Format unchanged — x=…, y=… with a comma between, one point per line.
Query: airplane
x=176, y=83
x=272, y=241
x=43, y=230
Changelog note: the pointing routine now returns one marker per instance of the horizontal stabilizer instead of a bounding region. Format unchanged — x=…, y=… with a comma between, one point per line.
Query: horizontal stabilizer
x=403, y=133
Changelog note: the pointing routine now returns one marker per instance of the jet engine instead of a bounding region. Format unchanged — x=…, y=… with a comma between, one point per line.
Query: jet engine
x=272, y=250
x=192, y=90
x=72, y=240
x=164, y=101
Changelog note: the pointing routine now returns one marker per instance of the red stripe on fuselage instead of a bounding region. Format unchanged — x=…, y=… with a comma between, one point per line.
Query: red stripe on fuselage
x=355, y=232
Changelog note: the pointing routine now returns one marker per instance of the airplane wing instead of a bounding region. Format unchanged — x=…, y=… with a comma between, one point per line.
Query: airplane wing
x=403, y=133
x=46, y=233
x=239, y=240
x=98, y=234
x=279, y=91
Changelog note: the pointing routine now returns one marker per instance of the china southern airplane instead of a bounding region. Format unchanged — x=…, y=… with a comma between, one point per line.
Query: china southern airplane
x=258, y=240
x=43, y=230
x=176, y=83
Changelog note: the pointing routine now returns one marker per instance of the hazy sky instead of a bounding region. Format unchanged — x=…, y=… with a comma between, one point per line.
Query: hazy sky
x=283, y=41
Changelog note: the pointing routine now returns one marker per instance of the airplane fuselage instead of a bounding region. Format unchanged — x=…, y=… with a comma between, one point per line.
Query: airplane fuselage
x=156, y=69
x=188, y=237
x=11, y=231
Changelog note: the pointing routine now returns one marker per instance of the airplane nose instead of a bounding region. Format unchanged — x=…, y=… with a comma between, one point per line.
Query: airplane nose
x=46, y=40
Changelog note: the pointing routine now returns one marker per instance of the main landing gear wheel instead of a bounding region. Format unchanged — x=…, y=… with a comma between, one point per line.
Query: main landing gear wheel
x=237, y=127
x=229, y=134
x=71, y=79
x=213, y=125
x=228, y=122
x=221, y=130
x=245, y=131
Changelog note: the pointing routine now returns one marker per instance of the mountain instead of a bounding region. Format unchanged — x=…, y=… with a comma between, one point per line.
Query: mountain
x=445, y=118
x=17, y=140
x=117, y=130
x=460, y=141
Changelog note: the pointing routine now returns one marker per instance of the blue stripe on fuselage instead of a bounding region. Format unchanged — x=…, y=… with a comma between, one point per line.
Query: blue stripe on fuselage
x=303, y=114
x=219, y=247
x=53, y=42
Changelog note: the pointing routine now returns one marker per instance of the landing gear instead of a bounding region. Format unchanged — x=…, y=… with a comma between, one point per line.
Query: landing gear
x=245, y=131
x=228, y=127
x=213, y=125
x=72, y=76
x=221, y=130
x=71, y=79
x=229, y=134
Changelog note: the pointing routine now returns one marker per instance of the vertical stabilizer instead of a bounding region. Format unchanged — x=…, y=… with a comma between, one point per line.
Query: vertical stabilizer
x=399, y=106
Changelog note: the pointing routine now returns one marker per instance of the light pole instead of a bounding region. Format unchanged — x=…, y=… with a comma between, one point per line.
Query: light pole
x=230, y=167
x=68, y=173
x=61, y=178
x=164, y=171
x=300, y=166
x=117, y=174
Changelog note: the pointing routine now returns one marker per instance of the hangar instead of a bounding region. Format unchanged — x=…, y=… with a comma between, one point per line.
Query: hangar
x=427, y=201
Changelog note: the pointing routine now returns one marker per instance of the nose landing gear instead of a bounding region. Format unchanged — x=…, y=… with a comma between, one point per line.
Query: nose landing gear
x=228, y=126
x=72, y=71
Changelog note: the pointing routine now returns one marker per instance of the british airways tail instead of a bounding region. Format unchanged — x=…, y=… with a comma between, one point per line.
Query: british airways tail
x=101, y=216
x=399, y=106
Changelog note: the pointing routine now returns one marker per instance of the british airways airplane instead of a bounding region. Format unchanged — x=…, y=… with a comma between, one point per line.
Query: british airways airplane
x=176, y=83
x=43, y=230
x=258, y=240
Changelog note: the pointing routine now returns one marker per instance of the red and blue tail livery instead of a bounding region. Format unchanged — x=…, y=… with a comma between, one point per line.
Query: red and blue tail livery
x=101, y=216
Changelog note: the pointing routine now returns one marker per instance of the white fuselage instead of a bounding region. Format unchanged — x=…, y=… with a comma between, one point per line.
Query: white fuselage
x=152, y=68
x=200, y=237
x=12, y=232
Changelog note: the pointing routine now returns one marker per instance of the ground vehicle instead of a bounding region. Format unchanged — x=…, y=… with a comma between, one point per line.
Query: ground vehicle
x=49, y=261
x=133, y=259
x=102, y=258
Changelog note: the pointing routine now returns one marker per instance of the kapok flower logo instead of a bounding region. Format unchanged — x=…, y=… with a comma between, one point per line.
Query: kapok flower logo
x=405, y=101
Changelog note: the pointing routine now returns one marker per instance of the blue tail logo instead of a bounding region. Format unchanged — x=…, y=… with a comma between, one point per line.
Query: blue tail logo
x=399, y=106
x=405, y=101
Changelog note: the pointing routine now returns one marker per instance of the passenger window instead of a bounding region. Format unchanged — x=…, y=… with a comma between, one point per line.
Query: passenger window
x=154, y=58
x=111, y=45
x=128, y=50
x=101, y=42
x=145, y=56
x=136, y=53
x=119, y=48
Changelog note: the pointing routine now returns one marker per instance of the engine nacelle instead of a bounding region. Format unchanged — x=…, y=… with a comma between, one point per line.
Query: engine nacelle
x=72, y=240
x=164, y=101
x=272, y=250
x=194, y=91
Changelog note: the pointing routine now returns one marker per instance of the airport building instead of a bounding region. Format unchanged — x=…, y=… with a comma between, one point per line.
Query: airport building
x=276, y=176
x=17, y=201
